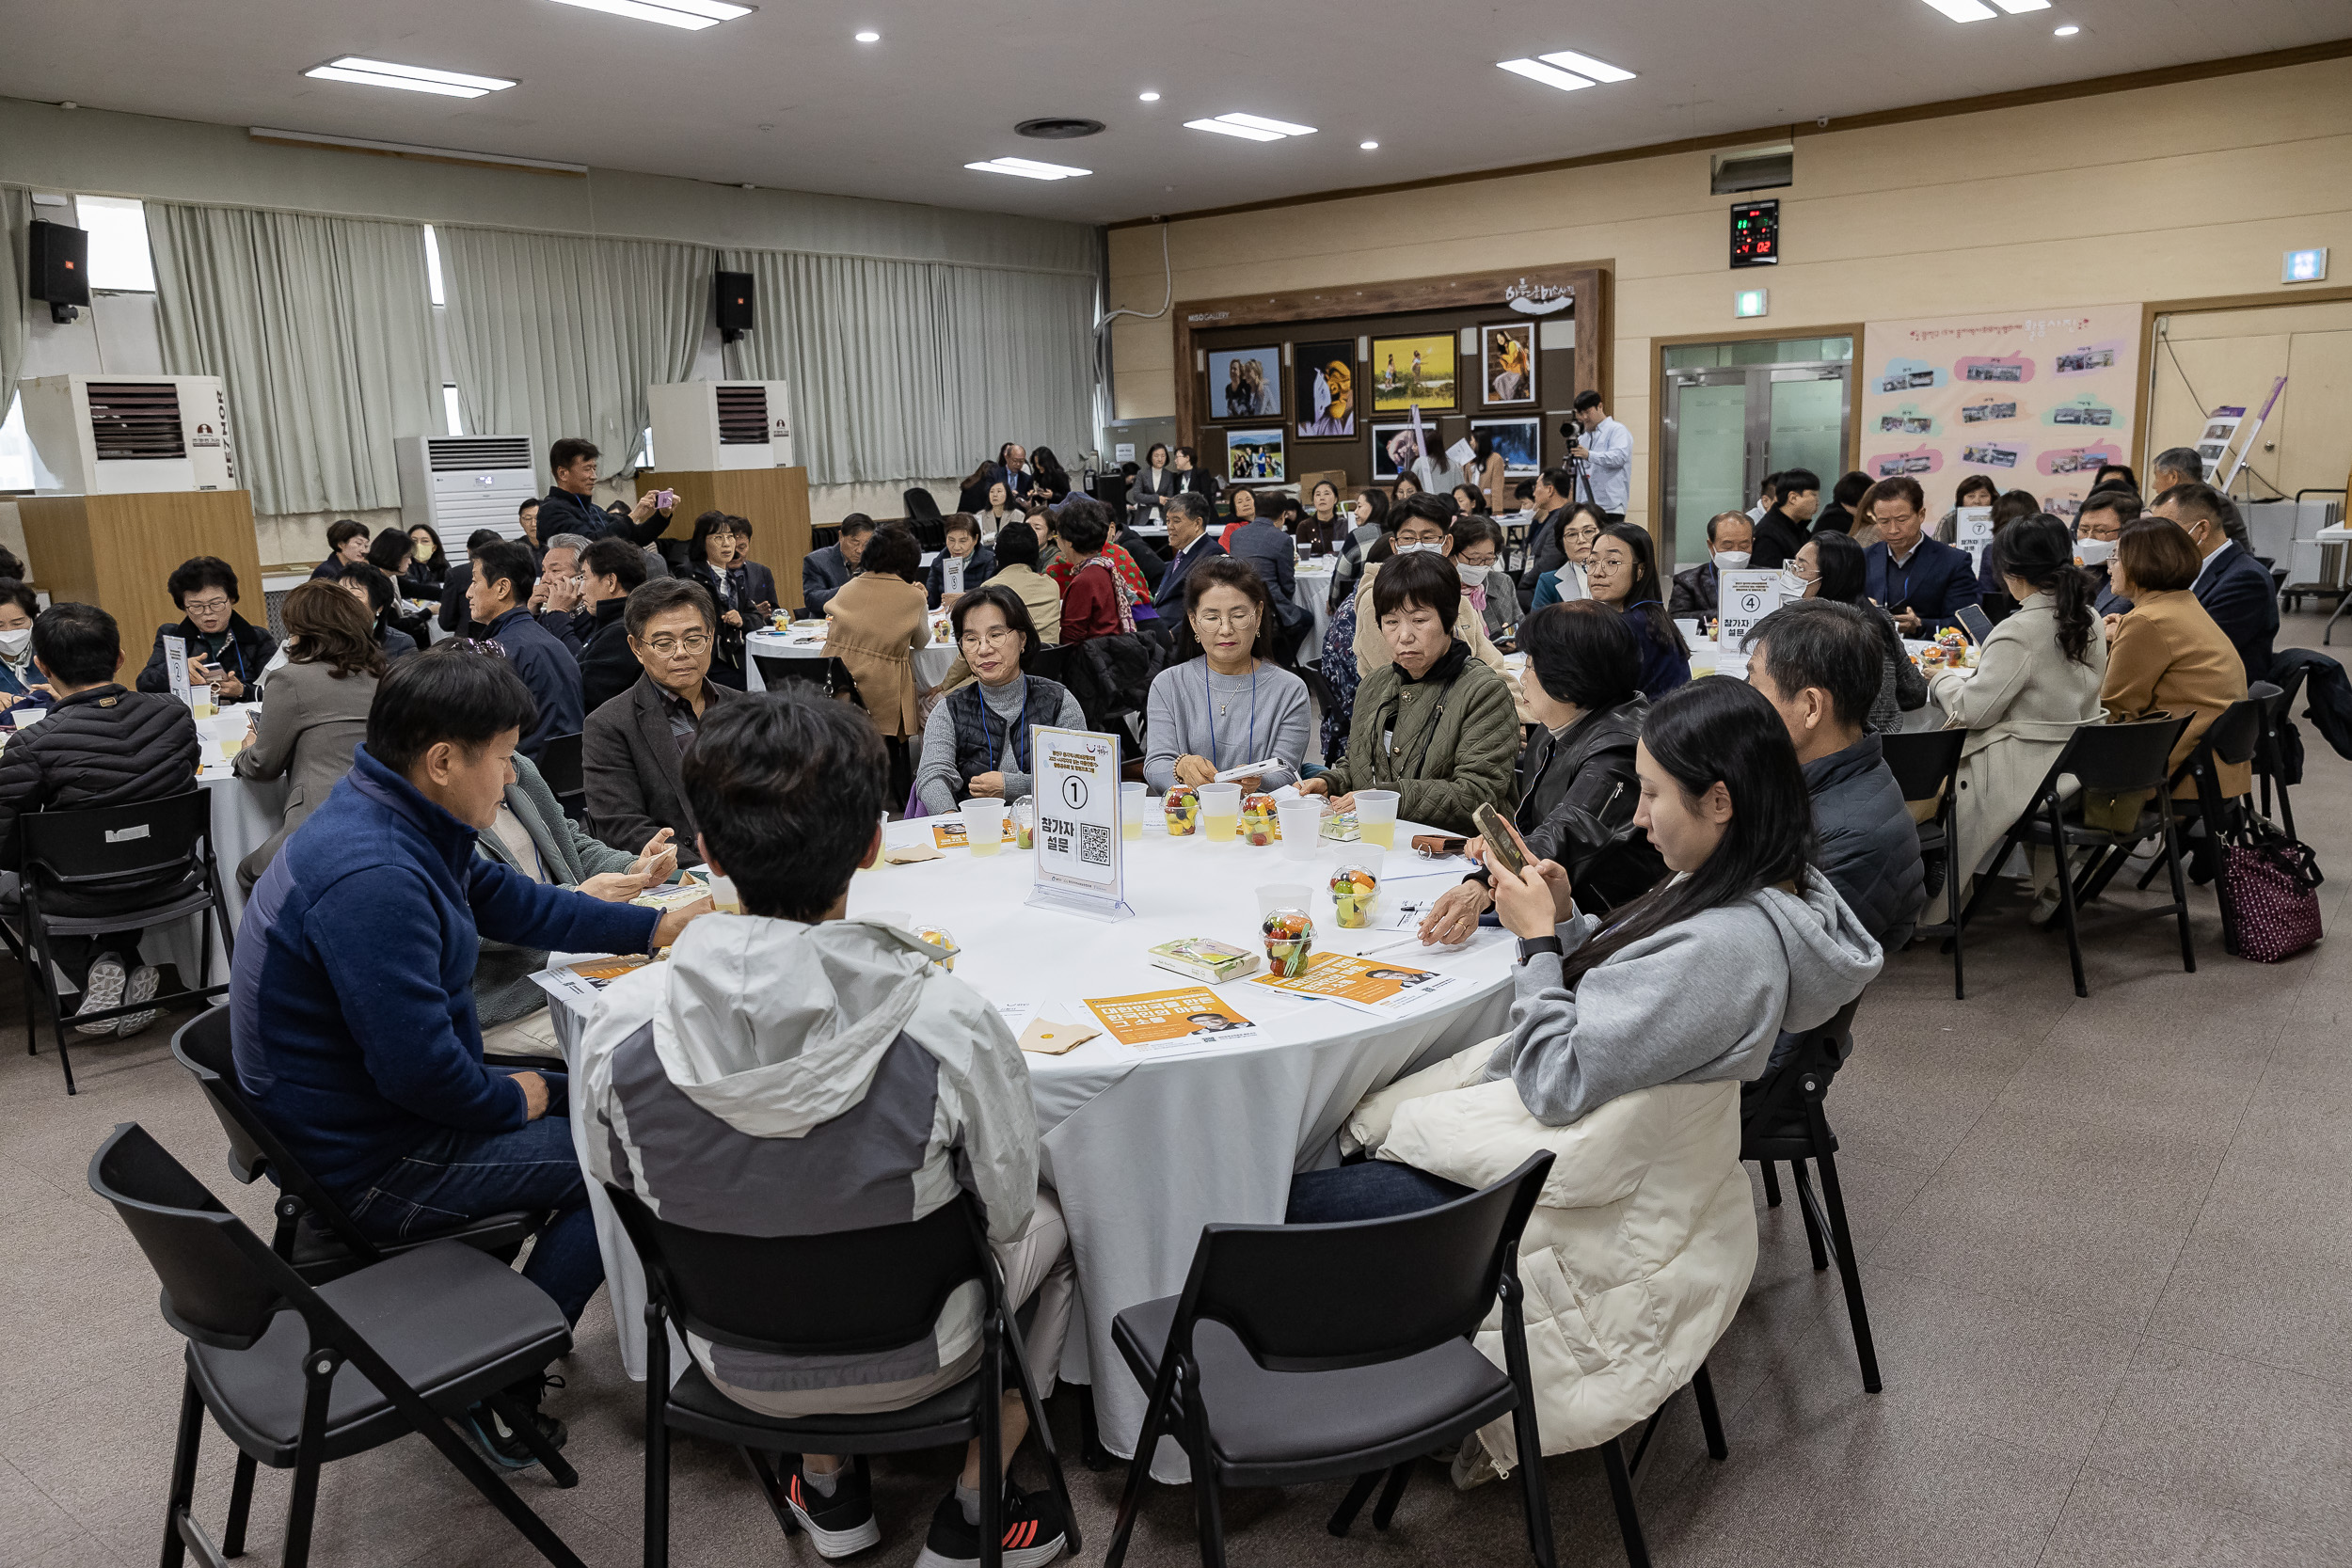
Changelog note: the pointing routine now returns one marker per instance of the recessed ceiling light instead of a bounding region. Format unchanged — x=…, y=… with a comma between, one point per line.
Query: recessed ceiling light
x=670, y=13
x=2066, y=32
x=869, y=36
x=1250, y=127
x=409, y=78
x=1029, y=168
x=1549, y=76
x=1369, y=146
x=1584, y=65
x=1964, y=11
x=2019, y=8
x=1148, y=97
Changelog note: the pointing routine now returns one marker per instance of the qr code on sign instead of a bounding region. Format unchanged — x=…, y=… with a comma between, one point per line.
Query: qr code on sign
x=1094, y=846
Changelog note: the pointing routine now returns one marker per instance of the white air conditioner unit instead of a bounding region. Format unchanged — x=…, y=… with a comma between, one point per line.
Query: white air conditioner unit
x=454, y=484
x=721, y=424
x=122, y=435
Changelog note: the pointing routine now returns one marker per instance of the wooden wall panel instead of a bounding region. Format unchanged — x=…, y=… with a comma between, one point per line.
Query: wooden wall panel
x=117, y=552
x=773, y=500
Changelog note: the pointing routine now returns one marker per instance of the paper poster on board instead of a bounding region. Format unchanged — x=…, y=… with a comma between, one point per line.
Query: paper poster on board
x=1742, y=599
x=176, y=665
x=2034, y=400
x=1079, y=864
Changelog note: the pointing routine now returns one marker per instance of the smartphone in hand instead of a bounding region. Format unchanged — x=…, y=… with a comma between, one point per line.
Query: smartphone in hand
x=1501, y=840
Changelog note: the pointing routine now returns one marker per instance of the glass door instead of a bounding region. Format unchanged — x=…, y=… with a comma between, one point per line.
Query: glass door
x=1706, y=449
x=1736, y=412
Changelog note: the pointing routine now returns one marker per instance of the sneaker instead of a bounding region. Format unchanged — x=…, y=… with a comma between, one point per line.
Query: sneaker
x=141, y=987
x=841, y=1523
x=1034, y=1532
x=104, y=989
x=500, y=1443
x=1472, y=1466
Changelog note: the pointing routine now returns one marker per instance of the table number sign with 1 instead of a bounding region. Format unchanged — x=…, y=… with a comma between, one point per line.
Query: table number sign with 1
x=1080, y=867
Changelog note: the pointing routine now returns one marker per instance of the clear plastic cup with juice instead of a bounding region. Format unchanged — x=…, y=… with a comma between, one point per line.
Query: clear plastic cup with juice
x=984, y=826
x=1221, y=811
x=1375, y=816
x=1134, y=801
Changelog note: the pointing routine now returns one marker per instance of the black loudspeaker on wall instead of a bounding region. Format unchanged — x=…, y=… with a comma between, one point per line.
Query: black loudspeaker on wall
x=57, y=256
x=736, y=308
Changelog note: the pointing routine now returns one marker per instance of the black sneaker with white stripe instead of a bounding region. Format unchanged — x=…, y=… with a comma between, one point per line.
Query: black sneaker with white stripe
x=1034, y=1533
x=838, y=1525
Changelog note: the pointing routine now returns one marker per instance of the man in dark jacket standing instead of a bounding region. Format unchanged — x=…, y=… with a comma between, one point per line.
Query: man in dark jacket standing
x=100, y=746
x=1819, y=663
x=499, y=598
x=570, y=507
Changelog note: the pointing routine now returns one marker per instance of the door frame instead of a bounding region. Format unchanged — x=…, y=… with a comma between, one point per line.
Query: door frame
x=2142, y=424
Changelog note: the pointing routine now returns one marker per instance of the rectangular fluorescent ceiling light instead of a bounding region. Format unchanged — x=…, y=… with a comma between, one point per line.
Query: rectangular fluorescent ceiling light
x=409, y=78
x=1549, y=76
x=670, y=13
x=1250, y=127
x=1029, y=168
x=1964, y=11
x=2019, y=8
x=1600, y=71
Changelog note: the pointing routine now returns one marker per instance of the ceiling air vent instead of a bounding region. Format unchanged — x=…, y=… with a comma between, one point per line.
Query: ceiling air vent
x=742, y=416
x=1759, y=168
x=463, y=453
x=1059, y=128
x=135, y=421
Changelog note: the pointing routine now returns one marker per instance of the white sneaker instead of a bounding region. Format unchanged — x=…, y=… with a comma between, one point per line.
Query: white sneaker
x=104, y=989
x=140, y=988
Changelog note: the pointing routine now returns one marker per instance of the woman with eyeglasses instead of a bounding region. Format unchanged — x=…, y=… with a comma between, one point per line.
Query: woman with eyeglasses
x=225, y=650
x=1226, y=703
x=1623, y=576
x=978, y=740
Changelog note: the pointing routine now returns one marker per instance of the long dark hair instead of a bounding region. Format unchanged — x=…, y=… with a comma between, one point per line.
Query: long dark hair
x=1841, y=562
x=1223, y=571
x=1718, y=730
x=1655, y=625
x=2039, y=550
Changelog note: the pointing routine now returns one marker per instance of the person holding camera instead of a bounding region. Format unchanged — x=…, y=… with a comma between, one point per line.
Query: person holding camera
x=1600, y=452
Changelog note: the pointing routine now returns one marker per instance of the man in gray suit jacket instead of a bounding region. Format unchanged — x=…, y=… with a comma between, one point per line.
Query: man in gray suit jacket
x=633, y=746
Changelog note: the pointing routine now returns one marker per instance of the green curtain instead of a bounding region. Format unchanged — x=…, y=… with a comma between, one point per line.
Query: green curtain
x=552, y=335
x=320, y=330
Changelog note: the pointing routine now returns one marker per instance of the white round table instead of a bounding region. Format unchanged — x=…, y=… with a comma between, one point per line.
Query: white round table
x=1312, y=587
x=1146, y=1145
x=931, y=664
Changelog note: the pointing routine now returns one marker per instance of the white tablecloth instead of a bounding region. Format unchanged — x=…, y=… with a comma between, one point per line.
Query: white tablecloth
x=1312, y=587
x=1144, y=1147
x=931, y=664
x=245, y=815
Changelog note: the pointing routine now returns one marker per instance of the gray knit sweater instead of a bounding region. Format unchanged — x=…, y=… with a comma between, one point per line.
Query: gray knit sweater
x=1272, y=721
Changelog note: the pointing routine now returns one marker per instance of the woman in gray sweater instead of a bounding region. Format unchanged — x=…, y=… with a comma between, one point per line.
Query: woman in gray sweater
x=1227, y=703
x=976, y=741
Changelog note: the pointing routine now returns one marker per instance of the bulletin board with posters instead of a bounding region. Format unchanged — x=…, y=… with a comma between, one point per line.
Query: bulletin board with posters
x=2036, y=399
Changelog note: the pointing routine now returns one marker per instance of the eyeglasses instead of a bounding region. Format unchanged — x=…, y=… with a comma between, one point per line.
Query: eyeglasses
x=1486, y=560
x=994, y=637
x=204, y=607
x=669, y=647
x=1217, y=620
x=1798, y=568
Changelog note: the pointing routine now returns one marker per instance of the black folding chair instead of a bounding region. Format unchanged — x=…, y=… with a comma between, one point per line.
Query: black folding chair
x=560, y=764
x=1305, y=1353
x=2113, y=760
x=1925, y=767
x=315, y=1234
x=154, y=859
x=2270, y=756
x=783, y=674
x=1781, y=1119
x=1050, y=662
x=447, y=1328
x=2233, y=738
x=849, y=1293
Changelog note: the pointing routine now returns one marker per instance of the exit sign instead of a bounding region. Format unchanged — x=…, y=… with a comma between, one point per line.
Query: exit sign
x=2304, y=266
x=1748, y=302
x=1755, y=234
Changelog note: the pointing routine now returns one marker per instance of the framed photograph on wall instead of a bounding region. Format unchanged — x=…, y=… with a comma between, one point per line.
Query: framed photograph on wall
x=1506, y=354
x=1393, y=449
x=1519, y=441
x=1409, y=370
x=1246, y=383
x=1254, y=456
x=1325, y=378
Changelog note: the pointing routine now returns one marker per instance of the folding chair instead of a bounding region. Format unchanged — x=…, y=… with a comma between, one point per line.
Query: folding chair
x=2236, y=739
x=2270, y=757
x=447, y=1328
x=846, y=1292
x=560, y=764
x=1050, y=662
x=156, y=856
x=1781, y=1119
x=2109, y=759
x=1925, y=767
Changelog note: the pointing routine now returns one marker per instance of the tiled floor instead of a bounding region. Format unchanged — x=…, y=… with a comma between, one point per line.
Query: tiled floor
x=2107, y=1246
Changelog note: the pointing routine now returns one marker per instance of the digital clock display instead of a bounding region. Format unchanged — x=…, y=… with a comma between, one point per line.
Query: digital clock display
x=1755, y=234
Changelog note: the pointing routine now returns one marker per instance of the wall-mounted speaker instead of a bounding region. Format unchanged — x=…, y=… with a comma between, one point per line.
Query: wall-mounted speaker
x=57, y=258
x=737, y=303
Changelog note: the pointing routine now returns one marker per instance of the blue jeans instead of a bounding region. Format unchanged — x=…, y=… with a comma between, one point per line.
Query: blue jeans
x=1370, y=1190
x=455, y=1175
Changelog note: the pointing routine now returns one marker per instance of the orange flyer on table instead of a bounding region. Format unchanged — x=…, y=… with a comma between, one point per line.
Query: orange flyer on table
x=949, y=834
x=1189, y=1015
x=1380, y=987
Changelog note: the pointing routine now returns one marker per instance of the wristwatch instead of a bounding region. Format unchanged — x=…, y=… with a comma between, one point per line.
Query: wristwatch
x=1530, y=946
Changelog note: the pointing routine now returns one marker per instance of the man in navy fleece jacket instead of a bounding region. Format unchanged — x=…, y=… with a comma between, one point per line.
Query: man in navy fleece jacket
x=352, y=1001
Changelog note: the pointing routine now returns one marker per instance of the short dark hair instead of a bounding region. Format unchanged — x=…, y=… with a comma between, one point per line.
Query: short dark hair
x=713, y=521
x=451, y=692
x=2011, y=505
x=570, y=449
x=2157, y=555
x=1017, y=545
x=9, y=565
x=1849, y=487
x=379, y=583
x=1085, y=523
x=531, y=504
x=1421, y=578
x=1194, y=507
x=1223, y=571
x=508, y=562
x=893, y=553
x=1587, y=399
x=1843, y=568
x=1471, y=528
x=1582, y=652
x=660, y=594
x=1974, y=482
x=343, y=532
x=961, y=522
x=1823, y=644
x=856, y=522
x=77, y=644
x=201, y=571
x=1429, y=508
x=481, y=539
x=388, y=545
x=325, y=626
x=1903, y=487
x=1792, y=482
x=616, y=559
x=1560, y=481
x=2125, y=505
x=12, y=590
x=2114, y=473
x=788, y=789
x=2201, y=502
x=2178, y=460
x=1008, y=603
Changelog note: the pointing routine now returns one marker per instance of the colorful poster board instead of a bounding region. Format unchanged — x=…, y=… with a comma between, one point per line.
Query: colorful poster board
x=1189, y=1015
x=1389, y=991
x=2037, y=399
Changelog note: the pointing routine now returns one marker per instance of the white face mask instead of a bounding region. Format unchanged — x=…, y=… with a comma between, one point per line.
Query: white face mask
x=1792, y=585
x=1408, y=549
x=2088, y=552
x=1730, y=561
x=13, y=644
x=1472, y=575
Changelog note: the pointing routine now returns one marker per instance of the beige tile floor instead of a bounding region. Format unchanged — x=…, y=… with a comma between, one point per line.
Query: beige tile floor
x=2107, y=1246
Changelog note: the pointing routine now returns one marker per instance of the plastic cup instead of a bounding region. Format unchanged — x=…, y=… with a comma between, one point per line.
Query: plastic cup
x=1221, y=811
x=724, y=898
x=1133, y=802
x=1283, y=896
x=984, y=826
x=1302, y=826
x=1375, y=816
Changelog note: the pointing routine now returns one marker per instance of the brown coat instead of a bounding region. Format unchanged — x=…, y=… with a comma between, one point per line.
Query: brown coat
x=878, y=623
x=2168, y=656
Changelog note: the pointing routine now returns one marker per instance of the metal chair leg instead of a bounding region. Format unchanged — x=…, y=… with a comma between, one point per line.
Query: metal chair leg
x=1841, y=1235
x=182, y=1495
x=1951, y=899
x=656, y=1527
x=1358, y=1493
x=2180, y=898
x=1385, y=1510
x=1206, y=1503
x=1811, y=1221
x=1621, y=1491
x=541, y=1449
x=1710, y=1419
x=2066, y=899
x=240, y=1506
x=1169, y=1385
x=1771, y=1184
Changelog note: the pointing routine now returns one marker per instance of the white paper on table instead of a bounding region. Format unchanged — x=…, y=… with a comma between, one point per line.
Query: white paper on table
x=1016, y=1014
